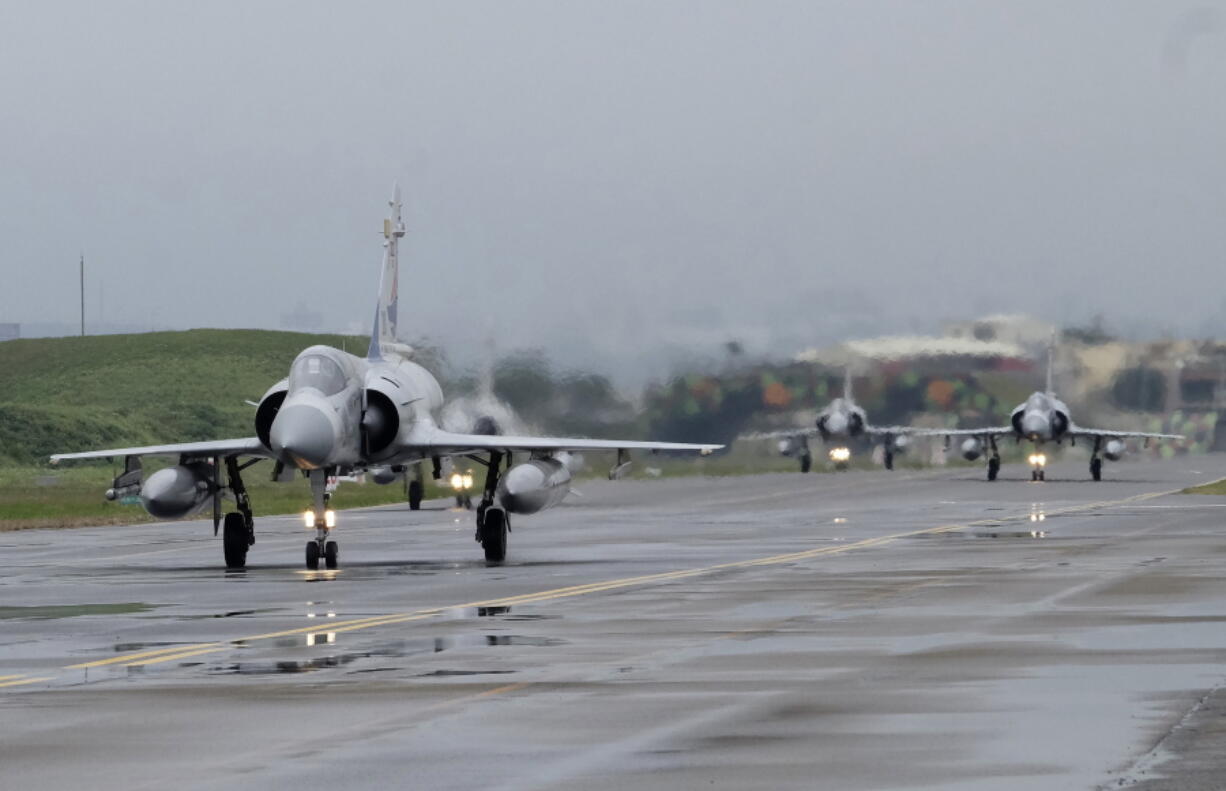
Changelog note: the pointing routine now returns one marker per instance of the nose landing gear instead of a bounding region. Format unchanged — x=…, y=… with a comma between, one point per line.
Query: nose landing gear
x=323, y=520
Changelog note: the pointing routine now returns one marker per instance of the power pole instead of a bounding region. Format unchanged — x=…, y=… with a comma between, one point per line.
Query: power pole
x=82, y=295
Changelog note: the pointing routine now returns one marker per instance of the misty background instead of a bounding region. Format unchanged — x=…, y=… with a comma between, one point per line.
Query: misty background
x=621, y=185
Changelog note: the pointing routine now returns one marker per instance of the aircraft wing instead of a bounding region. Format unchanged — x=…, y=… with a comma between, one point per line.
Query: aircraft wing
x=986, y=431
x=450, y=443
x=249, y=446
x=1079, y=431
x=894, y=431
x=784, y=433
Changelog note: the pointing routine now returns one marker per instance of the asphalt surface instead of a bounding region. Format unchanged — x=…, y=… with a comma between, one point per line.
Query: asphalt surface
x=863, y=630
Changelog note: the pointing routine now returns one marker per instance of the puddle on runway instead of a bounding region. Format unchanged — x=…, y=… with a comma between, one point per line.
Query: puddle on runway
x=75, y=610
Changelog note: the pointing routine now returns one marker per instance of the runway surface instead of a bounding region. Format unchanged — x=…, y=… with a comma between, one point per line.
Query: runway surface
x=866, y=630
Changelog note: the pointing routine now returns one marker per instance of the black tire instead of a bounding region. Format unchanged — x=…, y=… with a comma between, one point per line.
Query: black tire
x=1096, y=469
x=806, y=462
x=331, y=553
x=993, y=469
x=889, y=460
x=494, y=535
x=312, y=555
x=1042, y=475
x=235, y=540
x=416, y=491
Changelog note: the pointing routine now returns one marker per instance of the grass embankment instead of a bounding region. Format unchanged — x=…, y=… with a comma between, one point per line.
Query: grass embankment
x=1217, y=487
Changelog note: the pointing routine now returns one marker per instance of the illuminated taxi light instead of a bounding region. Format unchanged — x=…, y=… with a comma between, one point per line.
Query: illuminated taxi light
x=468, y=481
x=1038, y=459
x=457, y=481
x=840, y=454
x=308, y=518
x=329, y=518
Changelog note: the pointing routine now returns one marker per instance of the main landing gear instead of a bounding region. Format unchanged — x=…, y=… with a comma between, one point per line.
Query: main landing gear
x=323, y=520
x=1096, y=462
x=993, y=459
x=492, y=522
x=238, y=528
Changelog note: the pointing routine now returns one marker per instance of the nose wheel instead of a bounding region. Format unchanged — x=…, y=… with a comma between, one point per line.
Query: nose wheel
x=321, y=547
x=328, y=550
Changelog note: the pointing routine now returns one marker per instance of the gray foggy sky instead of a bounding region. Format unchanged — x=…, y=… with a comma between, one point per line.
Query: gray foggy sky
x=602, y=179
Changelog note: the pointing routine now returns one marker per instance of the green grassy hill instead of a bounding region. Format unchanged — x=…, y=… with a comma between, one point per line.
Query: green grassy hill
x=67, y=394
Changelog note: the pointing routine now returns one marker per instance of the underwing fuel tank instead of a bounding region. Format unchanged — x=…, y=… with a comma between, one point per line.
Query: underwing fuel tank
x=534, y=486
x=176, y=492
x=972, y=448
x=1114, y=451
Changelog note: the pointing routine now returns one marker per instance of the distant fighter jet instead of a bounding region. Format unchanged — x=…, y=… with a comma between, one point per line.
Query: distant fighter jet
x=337, y=413
x=840, y=422
x=1044, y=418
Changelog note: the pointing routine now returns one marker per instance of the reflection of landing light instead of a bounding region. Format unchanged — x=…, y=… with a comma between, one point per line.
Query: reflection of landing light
x=1037, y=459
x=840, y=520
x=1037, y=514
x=840, y=454
x=1038, y=534
x=319, y=576
x=327, y=638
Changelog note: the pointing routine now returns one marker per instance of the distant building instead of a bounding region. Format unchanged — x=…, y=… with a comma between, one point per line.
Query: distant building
x=9, y=331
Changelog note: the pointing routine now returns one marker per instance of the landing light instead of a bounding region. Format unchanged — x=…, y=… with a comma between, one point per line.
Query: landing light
x=459, y=481
x=329, y=518
x=840, y=454
x=308, y=518
x=1037, y=459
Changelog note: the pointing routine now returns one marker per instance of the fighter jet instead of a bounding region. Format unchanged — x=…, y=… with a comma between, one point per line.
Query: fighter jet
x=841, y=421
x=1044, y=418
x=337, y=413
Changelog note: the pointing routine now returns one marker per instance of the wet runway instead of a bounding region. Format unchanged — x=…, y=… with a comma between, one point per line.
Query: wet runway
x=867, y=630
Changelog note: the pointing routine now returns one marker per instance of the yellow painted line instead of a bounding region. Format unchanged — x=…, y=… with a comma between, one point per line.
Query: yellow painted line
x=554, y=594
x=25, y=681
x=125, y=659
x=182, y=655
x=10, y=678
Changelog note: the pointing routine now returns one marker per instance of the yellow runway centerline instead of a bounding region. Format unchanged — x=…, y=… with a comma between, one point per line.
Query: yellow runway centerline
x=184, y=651
x=22, y=681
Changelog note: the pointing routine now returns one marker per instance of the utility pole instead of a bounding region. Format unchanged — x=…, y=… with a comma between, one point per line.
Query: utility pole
x=82, y=295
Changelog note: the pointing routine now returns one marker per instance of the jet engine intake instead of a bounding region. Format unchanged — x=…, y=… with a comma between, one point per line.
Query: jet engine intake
x=380, y=421
x=267, y=411
x=1114, y=450
x=534, y=486
x=176, y=492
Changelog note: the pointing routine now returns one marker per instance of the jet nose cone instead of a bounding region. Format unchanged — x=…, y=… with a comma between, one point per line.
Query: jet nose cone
x=1034, y=425
x=302, y=433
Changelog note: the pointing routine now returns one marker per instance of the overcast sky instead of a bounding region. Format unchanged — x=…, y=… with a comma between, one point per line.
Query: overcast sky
x=607, y=178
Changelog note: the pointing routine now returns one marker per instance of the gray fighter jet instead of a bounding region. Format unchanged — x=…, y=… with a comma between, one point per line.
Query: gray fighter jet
x=1041, y=419
x=840, y=422
x=337, y=413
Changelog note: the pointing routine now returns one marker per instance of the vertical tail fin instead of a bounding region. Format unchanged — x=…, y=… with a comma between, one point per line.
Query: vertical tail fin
x=383, y=332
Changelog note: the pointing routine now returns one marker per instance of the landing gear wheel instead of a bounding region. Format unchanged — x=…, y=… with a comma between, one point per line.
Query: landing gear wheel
x=1096, y=469
x=806, y=463
x=1042, y=475
x=330, y=554
x=234, y=540
x=312, y=555
x=993, y=468
x=416, y=491
x=889, y=460
x=493, y=530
